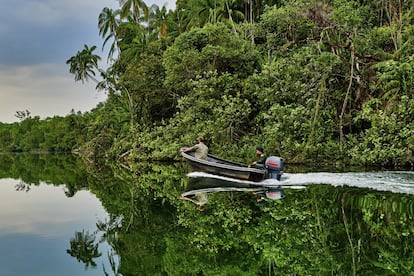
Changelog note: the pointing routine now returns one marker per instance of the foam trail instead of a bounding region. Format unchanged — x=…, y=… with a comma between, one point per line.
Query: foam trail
x=203, y=174
x=396, y=182
x=392, y=181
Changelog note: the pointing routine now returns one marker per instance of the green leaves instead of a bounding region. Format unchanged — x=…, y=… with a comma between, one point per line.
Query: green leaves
x=200, y=52
x=388, y=141
x=84, y=64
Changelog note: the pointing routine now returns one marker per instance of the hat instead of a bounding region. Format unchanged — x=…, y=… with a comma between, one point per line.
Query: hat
x=260, y=148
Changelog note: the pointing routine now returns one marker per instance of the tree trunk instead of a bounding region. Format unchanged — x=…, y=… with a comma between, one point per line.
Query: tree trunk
x=344, y=104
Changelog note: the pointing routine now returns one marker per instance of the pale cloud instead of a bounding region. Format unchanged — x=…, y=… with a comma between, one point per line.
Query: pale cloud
x=45, y=90
x=41, y=13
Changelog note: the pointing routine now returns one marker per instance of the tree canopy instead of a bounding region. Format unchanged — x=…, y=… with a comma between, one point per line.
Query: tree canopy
x=313, y=81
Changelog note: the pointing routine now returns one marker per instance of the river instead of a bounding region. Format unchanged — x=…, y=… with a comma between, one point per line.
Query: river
x=59, y=217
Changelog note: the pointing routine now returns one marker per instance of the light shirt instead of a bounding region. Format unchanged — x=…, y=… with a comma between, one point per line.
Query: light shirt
x=200, y=151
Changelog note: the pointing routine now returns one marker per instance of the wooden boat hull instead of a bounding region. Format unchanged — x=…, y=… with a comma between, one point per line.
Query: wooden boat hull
x=219, y=166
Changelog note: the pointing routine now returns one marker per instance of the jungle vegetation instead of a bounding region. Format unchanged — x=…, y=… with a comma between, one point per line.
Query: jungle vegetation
x=309, y=80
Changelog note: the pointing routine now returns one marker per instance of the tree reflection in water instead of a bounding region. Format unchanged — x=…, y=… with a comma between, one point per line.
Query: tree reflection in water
x=84, y=248
x=22, y=186
x=320, y=230
x=310, y=232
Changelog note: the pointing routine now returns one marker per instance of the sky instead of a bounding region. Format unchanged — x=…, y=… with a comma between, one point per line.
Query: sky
x=37, y=37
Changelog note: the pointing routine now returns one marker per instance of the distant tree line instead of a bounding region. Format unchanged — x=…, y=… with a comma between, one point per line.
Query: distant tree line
x=32, y=134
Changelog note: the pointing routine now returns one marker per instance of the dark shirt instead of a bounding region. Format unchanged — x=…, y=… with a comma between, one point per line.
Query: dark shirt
x=262, y=159
x=261, y=162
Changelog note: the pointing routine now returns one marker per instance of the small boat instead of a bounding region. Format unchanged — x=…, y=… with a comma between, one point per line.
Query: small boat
x=218, y=166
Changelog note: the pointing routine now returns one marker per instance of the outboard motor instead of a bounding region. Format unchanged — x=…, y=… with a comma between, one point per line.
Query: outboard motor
x=274, y=166
x=275, y=193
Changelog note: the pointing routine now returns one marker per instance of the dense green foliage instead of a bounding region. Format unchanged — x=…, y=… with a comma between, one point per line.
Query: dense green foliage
x=309, y=80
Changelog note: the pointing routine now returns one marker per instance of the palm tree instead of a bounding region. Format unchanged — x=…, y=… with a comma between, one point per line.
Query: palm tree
x=181, y=19
x=83, y=64
x=213, y=11
x=108, y=23
x=159, y=23
x=129, y=33
x=84, y=249
x=234, y=11
x=204, y=11
x=126, y=32
x=136, y=7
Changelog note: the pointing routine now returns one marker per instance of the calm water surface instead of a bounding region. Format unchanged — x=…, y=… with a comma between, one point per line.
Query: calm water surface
x=37, y=224
x=59, y=217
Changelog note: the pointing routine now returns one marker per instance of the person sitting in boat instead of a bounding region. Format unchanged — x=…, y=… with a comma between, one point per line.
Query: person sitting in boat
x=199, y=198
x=200, y=149
x=262, y=158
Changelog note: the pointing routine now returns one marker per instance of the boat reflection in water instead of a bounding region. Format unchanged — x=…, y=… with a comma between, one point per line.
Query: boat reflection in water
x=200, y=185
